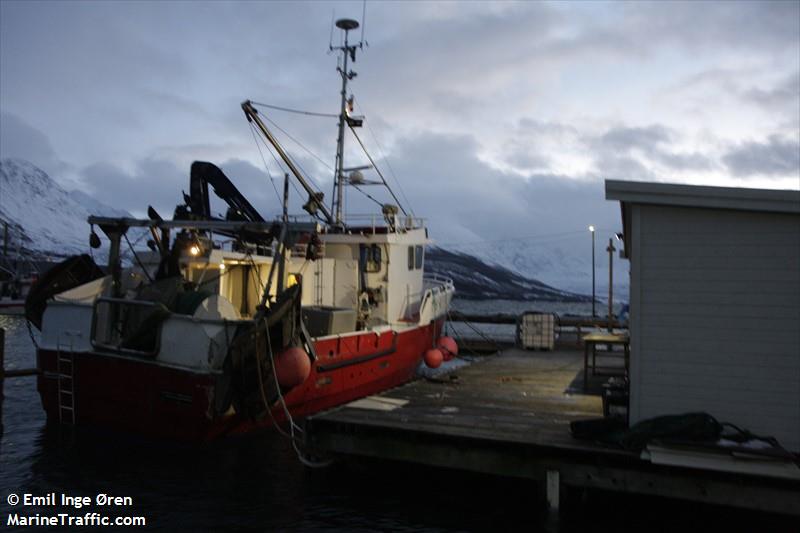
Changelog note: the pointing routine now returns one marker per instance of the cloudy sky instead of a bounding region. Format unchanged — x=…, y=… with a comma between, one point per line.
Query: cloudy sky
x=500, y=119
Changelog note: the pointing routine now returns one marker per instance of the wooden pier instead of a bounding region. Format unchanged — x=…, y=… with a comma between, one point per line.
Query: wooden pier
x=509, y=415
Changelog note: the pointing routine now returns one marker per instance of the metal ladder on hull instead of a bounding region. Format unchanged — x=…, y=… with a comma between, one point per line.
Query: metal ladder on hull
x=65, y=368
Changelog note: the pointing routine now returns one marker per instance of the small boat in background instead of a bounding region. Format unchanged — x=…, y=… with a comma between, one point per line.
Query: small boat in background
x=229, y=324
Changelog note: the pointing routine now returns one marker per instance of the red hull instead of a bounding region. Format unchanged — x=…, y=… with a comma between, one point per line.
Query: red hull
x=146, y=397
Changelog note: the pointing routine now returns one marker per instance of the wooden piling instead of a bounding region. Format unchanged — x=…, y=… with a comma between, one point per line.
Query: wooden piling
x=2, y=374
x=15, y=373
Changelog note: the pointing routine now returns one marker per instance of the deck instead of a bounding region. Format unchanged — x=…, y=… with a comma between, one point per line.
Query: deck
x=509, y=415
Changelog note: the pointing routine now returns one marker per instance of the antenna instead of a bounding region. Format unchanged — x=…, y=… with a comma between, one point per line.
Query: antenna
x=330, y=41
x=363, y=20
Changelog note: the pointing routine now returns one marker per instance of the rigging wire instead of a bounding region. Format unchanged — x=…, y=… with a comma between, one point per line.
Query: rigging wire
x=280, y=166
x=365, y=193
x=318, y=158
x=297, y=111
x=277, y=162
x=388, y=164
x=375, y=166
x=136, y=256
x=266, y=168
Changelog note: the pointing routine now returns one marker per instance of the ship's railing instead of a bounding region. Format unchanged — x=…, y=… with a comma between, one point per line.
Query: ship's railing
x=434, y=285
x=433, y=280
x=374, y=221
x=127, y=326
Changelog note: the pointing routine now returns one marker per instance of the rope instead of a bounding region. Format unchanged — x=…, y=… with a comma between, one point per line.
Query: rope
x=30, y=332
x=476, y=330
x=292, y=426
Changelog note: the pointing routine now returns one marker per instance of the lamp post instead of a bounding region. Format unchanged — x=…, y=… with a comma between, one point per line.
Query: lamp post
x=591, y=230
x=611, y=251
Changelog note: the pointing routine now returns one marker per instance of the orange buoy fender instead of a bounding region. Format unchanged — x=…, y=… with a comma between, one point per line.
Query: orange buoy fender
x=448, y=347
x=292, y=367
x=433, y=358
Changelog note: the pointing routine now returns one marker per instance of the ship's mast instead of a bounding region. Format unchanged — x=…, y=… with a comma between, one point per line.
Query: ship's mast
x=348, y=52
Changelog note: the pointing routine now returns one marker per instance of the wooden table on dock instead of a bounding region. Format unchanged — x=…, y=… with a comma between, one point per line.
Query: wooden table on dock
x=591, y=340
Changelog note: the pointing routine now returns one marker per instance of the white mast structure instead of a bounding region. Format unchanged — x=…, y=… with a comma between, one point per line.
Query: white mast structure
x=348, y=51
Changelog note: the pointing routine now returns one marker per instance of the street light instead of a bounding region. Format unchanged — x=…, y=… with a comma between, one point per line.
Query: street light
x=591, y=230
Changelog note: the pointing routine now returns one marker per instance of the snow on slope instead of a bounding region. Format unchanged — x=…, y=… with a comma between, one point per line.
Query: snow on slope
x=47, y=217
x=95, y=207
x=565, y=263
x=477, y=280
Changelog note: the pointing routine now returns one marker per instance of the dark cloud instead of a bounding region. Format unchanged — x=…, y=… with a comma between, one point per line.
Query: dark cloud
x=623, y=139
x=155, y=182
x=779, y=98
x=619, y=147
x=782, y=100
x=777, y=156
x=782, y=97
x=622, y=167
x=685, y=161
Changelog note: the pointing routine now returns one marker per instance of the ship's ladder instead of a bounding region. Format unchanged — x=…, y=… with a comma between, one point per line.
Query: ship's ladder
x=65, y=361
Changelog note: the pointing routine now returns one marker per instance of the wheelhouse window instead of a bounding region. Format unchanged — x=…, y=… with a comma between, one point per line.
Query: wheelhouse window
x=373, y=258
x=415, y=257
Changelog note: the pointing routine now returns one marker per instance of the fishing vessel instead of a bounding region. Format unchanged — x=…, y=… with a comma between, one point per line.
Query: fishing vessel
x=232, y=323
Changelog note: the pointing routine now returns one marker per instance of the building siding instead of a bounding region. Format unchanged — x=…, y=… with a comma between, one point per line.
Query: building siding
x=715, y=317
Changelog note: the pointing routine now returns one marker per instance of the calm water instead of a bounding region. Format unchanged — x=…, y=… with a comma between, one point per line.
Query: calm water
x=255, y=483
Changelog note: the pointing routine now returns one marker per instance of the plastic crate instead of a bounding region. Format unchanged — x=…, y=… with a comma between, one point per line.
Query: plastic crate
x=536, y=331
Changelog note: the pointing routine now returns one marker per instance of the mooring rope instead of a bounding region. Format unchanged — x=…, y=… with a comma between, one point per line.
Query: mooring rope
x=292, y=426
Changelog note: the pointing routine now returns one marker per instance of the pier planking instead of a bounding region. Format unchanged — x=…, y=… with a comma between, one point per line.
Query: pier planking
x=509, y=415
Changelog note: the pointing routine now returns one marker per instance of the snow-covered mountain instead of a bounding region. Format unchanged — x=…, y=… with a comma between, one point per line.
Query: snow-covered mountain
x=41, y=215
x=477, y=280
x=564, y=262
x=45, y=218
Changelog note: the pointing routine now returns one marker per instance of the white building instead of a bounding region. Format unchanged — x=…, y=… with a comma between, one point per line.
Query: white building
x=715, y=303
